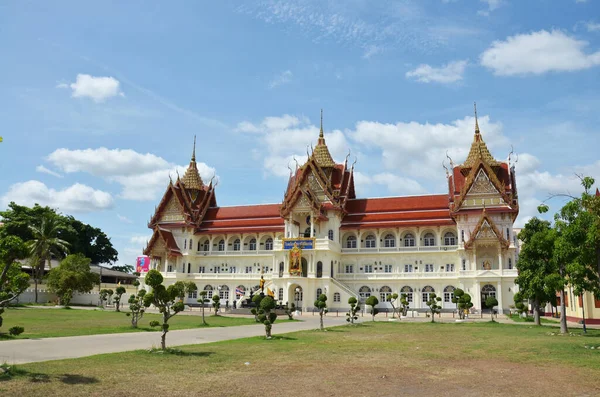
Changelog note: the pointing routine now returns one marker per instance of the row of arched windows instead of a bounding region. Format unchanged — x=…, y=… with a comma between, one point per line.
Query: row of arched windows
x=252, y=245
x=389, y=241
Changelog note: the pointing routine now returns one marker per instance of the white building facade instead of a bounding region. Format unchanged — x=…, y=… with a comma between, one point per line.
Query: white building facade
x=349, y=246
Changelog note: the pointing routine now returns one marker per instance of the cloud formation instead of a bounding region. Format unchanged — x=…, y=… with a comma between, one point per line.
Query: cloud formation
x=96, y=88
x=281, y=79
x=449, y=73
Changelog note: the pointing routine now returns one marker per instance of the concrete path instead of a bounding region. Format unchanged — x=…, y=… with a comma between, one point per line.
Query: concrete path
x=45, y=349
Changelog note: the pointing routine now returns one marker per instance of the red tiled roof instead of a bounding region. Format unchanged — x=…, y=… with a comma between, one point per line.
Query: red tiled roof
x=243, y=218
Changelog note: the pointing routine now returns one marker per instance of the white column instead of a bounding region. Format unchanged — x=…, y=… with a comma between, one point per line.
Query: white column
x=499, y=297
x=312, y=225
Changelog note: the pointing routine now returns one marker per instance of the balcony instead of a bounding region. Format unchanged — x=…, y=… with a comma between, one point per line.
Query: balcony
x=396, y=276
x=216, y=276
x=439, y=248
x=234, y=253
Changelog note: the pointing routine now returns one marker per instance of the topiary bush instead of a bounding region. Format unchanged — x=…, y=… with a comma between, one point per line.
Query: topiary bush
x=321, y=304
x=265, y=315
x=16, y=330
x=373, y=301
x=351, y=316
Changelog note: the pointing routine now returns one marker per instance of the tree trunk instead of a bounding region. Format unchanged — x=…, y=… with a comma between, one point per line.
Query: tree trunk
x=163, y=342
x=536, y=312
x=321, y=314
x=563, y=314
x=203, y=321
x=118, y=306
x=36, y=286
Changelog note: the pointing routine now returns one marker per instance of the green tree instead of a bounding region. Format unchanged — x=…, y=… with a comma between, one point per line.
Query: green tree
x=103, y=296
x=165, y=299
x=521, y=307
x=256, y=300
x=12, y=280
x=352, y=316
x=490, y=302
x=73, y=274
x=434, y=305
x=216, y=303
x=89, y=241
x=392, y=298
x=463, y=302
x=110, y=293
x=18, y=218
x=186, y=288
x=119, y=291
x=266, y=315
x=404, y=304
x=136, y=307
x=538, y=277
x=321, y=305
x=124, y=268
x=290, y=308
x=46, y=244
x=203, y=300
x=373, y=301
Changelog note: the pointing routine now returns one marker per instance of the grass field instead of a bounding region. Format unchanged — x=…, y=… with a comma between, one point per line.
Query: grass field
x=45, y=323
x=529, y=319
x=374, y=359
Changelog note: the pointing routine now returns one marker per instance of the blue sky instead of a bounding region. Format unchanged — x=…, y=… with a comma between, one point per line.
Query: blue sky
x=100, y=101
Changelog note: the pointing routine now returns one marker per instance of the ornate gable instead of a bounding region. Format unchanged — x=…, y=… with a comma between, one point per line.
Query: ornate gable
x=173, y=212
x=482, y=185
x=486, y=232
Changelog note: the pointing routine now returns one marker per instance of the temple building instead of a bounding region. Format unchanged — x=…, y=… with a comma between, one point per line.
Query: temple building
x=323, y=239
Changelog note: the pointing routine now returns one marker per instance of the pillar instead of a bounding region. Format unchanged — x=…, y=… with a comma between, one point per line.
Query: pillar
x=312, y=225
x=499, y=296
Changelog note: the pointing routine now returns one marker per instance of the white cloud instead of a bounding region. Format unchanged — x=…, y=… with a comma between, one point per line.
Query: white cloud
x=372, y=50
x=77, y=198
x=449, y=73
x=124, y=219
x=398, y=184
x=44, y=170
x=492, y=6
x=140, y=240
x=538, y=53
x=592, y=27
x=141, y=176
x=97, y=88
x=282, y=78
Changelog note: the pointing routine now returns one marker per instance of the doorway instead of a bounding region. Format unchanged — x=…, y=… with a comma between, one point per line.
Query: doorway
x=487, y=291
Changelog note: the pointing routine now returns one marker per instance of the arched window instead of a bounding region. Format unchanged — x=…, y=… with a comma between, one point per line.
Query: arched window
x=448, y=294
x=206, y=246
x=330, y=234
x=298, y=295
x=224, y=293
x=236, y=244
x=307, y=232
x=510, y=263
x=222, y=245
x=280, y=294
x=199, y=245
x=384, y=292
x=488, y=289
x=409, y=240
x=319, y=292
x=191, y=244
x=336, y=297
x=252, y=245
x=449, y=239
x=184, y=244
x=406, y=290
x=269, y=244
x=364, y=292
x=427, y=291
x=319, y=269
x=209, y=291
x=351, y=242
x=389, y=241
x=429, y=240
x=370, y=241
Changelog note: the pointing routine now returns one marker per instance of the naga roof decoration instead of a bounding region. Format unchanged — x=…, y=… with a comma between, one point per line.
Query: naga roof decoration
x=486, y=229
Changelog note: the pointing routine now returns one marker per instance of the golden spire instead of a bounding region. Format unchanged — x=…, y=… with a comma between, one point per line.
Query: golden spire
x=479, y=149
x=191, y=178
x=476, y=122
x=321, y=153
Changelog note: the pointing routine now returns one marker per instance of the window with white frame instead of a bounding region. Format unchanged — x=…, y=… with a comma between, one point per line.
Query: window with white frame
x=191, y=244
x=170, y=268
x=449, y=267
x=384, y=292
x=428, y=268
x=201, y=269
x=248, y=269
x=510, y=263
x=233, y=269
x=349, y=268
x=281, y=265
x=462, y=236
x=209, y=291
x=370, y=241
x=429, y=240
x=222, y=245
x=387, y=268
x=426, y=293
x=184, y=244
x=252, y=245
x=389, y=241
x=408, y=268
x=364, y=292
x=409, y=240
x=351, y=242
x=408, y=291
x=269, y=244
x=224, y=293
x=330, y=234
x=236, y=244
x=280, y=295
x=449, y=239
x=337, y=297
x=216, y=269
x=448, y=294
x=464, y=264
x=368, y=268
x=193, y=295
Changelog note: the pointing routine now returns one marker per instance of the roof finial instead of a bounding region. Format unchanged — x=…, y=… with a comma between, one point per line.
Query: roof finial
x=321, y=132
x=194, y=152
x=476, y=122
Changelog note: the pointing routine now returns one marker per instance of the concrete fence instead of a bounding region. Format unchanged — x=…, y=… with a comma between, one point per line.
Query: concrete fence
x=90, y=298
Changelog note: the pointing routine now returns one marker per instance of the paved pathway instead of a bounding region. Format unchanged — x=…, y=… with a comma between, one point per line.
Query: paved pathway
x=34, y=350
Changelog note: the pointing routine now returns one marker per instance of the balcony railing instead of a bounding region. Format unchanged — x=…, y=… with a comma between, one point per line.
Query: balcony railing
x=438, y=248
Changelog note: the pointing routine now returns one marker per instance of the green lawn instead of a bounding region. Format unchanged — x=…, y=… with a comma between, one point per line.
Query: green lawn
x=379, y=359
x=529, y=319
x=45, y=323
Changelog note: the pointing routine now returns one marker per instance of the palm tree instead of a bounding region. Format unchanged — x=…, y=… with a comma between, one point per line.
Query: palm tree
x=45, y=245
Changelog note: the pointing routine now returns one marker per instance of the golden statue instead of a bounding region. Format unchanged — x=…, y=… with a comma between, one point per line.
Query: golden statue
x=262, y=284
x=295, y=260
x=487, y=265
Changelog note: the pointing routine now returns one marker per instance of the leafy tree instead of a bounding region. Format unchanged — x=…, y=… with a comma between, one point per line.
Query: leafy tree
x=463, y=302
x=186, y=287
x=110, y=293
x=124, y=268
x=256, y=300
x=321, y=304
x=203, y=300
x=290, y=308
x=216, y=303
x=538, y=277
x=103, y=296
x=392, y=298
x=18, y=218
x=265, y=314
x=136, y=307
x=520, y=305
x=434, y=305
x=490, y=302
x=119, y=291
x=373, y=301
x=73, y=274
x=46, y=244
x=12, y=280
x=404, y=304
x=164, y=299
x=351, y=316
